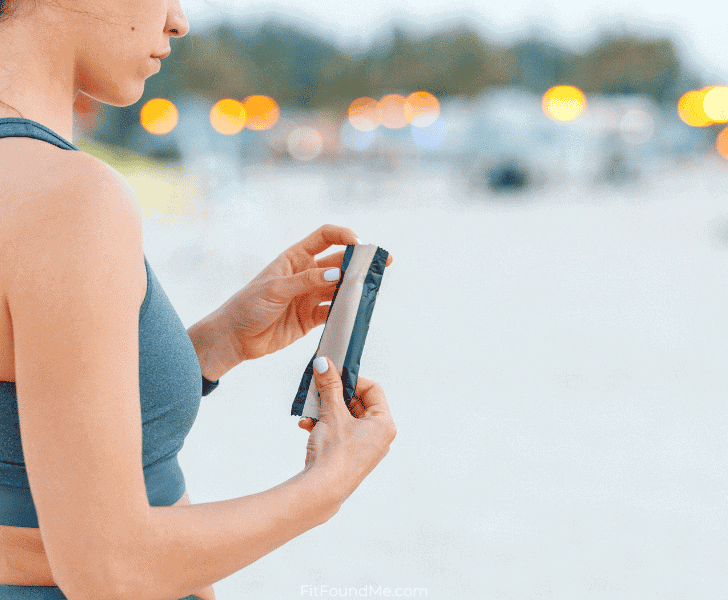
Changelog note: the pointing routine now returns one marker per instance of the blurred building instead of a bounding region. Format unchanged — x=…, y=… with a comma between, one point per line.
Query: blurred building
x=614, y=138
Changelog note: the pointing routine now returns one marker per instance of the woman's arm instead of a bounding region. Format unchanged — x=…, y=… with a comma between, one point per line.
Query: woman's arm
x=184, y=548
x=75, y=277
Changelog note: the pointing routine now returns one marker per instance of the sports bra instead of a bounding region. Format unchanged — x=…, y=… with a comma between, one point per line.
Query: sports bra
x=170, y=386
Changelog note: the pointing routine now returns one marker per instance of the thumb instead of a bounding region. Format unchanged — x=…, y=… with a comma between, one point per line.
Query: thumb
x=305, y=281
x=330, y=389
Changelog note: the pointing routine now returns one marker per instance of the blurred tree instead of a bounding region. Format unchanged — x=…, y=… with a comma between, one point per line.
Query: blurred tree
x=625, y=65
x=302, y=70
x=539, y=64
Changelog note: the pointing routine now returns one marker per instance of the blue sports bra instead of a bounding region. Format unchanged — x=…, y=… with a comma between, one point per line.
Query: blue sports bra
x=170, y=385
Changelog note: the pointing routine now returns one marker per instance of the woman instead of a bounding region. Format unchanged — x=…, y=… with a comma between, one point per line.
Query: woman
x=99, y=380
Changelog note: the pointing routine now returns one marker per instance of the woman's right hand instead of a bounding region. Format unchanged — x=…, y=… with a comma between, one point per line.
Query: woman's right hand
x=345, y=444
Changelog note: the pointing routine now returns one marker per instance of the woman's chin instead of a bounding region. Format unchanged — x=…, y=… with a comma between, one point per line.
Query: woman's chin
x=123, y=97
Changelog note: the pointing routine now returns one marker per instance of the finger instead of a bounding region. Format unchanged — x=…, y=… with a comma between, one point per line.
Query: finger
x=355, y=408
x=324, y=237
x=306, y=282
x=331, y=260
x=320, y=314
x=331, y=391
x=371, y=396
x=337, y=258
x=306, y=423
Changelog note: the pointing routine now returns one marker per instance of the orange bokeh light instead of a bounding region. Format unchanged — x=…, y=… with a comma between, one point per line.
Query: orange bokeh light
x=421, y=109
x=363, y=114
x=721, y=143
x=228, y=116
x=690, y=108
x=563, y=103
x=159, y=116
x=263, y=112
x=391, y=111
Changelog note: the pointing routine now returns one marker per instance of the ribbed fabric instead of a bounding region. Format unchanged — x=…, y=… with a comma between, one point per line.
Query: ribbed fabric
x=170, y=387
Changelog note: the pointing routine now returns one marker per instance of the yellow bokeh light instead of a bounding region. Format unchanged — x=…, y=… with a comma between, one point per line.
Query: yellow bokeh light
x=228, y=116
x=159, y=116
x=421, y=109
x=715, y=104
x=690, y=108
x=391, y=111
x=363, y=114
x=263, y=112
x=563, y=103
x=721, y=143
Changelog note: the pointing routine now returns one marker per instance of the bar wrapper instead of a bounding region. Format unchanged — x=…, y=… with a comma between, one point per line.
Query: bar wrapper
x=345, y=331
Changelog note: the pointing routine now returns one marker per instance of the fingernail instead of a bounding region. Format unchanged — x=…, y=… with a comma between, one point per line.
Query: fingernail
x=321, y=365
x=358, y=241
x=332, y=274
x=302, y=419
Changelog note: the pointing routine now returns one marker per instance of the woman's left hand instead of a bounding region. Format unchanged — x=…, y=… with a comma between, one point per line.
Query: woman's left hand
x=281, y=304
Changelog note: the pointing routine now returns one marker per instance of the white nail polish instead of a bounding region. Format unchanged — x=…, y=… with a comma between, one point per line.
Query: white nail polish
x=358, y=241
x=332, y=274
x=321, y=365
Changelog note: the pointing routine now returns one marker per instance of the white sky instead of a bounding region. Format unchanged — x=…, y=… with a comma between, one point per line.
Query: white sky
x=695, y=25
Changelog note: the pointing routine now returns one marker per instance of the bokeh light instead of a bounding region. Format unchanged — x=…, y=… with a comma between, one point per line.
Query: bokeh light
x=354, y=138
x=636, y=126
x=421, y=109
x=304, y=143
x=263, y=112
x=721, y=143
x=715, y=104
x=563, y=103
x=159, y=116
x=690, y=108
x=363, y=114
x=228, y=116
x=391, y=111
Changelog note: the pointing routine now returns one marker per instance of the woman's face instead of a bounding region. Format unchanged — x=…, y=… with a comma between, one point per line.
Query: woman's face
x=114, y=42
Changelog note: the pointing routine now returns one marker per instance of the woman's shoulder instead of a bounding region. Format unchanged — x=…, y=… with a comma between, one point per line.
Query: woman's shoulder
x=62, y=198
x=55, y=191
x=24, y=156
x=41, y=179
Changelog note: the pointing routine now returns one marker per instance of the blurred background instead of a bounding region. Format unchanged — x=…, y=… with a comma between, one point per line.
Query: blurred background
x=552, y=182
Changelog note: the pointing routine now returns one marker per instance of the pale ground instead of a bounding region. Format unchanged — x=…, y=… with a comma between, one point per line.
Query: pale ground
x=555, y=365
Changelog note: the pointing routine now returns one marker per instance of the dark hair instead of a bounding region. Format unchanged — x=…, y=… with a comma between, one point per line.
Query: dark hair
x=7, y=9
